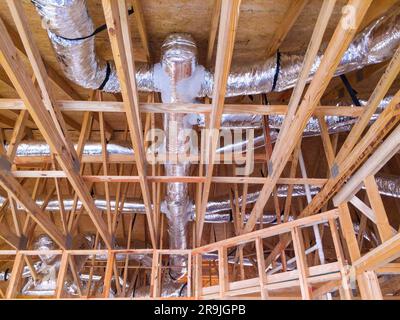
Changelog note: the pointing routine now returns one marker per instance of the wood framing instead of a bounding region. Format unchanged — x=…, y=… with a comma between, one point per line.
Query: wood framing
x=290, y=191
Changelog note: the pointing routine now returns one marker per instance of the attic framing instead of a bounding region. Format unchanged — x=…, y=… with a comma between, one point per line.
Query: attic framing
x=349, y=272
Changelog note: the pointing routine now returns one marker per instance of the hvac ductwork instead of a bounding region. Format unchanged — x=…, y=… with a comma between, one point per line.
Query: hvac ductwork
x=219, y=211
x=178, y=66
x=254, y=121
x=70, y=28
x=377, y=43
x=181, y=80
x=335, y=124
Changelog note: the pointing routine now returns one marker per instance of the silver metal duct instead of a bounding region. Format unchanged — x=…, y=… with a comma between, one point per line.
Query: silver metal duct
x=218, y=211
x=388, y=185
x=70, y=27
x=377, y=43
x=335, y=124
x=47, y=269
x=255, y=121
x=177, y=68
x=66, y=20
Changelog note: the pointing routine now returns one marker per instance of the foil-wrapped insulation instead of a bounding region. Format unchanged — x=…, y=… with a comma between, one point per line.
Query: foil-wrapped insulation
x=336, y=124
x=48, y=266
x=375, y=44
x=34, y=148
x=66, y=20
x=388, y=185
x=255, y=121
x=217, y=211
x=175, y=74
x=68, y=24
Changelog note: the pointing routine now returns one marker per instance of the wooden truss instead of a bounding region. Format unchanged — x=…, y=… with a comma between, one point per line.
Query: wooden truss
x=283, y=261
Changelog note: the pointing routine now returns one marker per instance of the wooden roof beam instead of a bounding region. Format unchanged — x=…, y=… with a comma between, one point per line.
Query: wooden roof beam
x=52, y=130
x=137, y=5
x=289, y=19
x=227, y=30
x=112, y=106
x=293, y=127
x=372, y=139
x=213, y=31
x=121, y=44
x=56, y=79
x=15, y=190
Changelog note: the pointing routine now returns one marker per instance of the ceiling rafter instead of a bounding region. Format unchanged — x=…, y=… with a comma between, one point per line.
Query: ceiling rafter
x=227, y=30
x=121, y=44
x=112, y=106
x=293, y=128
x=289, y=19
x=53, y=133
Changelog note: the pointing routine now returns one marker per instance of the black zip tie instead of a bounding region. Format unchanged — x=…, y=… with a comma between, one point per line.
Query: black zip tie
x=108, y=72
x=98, y=30
x=181, y=290
x=350, y=90
x=277, y=70
x=6, y=274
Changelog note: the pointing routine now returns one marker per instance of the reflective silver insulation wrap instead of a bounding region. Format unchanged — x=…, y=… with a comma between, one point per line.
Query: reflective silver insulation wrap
x=47, y=269
x=375, y=44
x=177, y=68
x=218, y=211
x=254, y=121
x=388, y=185
x=69, y=19
x=34, y=148
x=66, y=20
x=49, y=264
x=335, y=124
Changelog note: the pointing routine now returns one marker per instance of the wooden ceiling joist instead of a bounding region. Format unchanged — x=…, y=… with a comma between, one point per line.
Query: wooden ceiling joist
x=323, y=268
x=294, y=127
x=66, y=156
x=226, y=39
x=121, y=44
x=118, y=107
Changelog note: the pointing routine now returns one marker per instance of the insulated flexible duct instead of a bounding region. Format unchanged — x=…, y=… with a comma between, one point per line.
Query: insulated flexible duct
x=218, y=211
x=335, y=124
x=375, y=44
x=69, y=27
x=178, y=65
